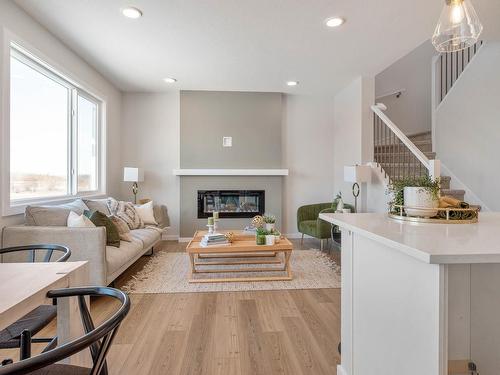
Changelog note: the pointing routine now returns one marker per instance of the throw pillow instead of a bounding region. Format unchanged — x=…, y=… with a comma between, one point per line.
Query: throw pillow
x=98, y=205
x=127, y=212
x=123, y=229
x=79, y=221
x=101, y=220
x=146, y=213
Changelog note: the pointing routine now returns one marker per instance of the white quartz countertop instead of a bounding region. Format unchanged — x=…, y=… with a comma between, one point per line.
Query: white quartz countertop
x=431, y=243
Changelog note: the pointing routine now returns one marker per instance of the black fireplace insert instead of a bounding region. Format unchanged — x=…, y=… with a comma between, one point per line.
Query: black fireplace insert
x=231, y=203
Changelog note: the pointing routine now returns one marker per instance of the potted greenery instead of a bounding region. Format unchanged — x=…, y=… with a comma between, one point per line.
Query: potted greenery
x=421, y=192
x=260, y=236
x=277, y=236
x=270, y=221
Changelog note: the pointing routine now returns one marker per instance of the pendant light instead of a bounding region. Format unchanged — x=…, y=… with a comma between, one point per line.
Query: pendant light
x=458, y=27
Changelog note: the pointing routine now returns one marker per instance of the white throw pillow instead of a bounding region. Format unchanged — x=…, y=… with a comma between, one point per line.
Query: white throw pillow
x=79, y=221
x=146, y=213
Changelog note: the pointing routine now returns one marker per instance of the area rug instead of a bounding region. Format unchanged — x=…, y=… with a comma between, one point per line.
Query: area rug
x=169, y=273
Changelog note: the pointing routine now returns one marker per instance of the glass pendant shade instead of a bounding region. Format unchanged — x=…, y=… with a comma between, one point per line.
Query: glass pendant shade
x=458, y=27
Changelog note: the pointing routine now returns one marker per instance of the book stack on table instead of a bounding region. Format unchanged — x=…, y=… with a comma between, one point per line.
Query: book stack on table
x=215, y=239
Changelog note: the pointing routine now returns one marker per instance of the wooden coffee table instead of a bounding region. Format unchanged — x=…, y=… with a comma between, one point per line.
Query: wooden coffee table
x=243, y=251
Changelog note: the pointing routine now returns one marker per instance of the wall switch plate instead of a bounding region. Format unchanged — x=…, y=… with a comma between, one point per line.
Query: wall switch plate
x=227, y=141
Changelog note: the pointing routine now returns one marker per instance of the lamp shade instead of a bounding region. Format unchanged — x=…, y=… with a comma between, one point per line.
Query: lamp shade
x=133, y=174
x=357, y=173
x=458, y=27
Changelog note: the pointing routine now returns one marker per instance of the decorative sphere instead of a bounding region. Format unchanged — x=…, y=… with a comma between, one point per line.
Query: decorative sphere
x=257, y=221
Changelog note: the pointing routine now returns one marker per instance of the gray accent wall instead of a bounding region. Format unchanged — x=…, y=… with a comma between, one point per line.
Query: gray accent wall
x=252, y=119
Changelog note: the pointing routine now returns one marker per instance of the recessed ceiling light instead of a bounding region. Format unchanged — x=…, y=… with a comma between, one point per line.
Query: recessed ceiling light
x=334, y=21
x=170, y=80
x=292, y=83
x=131, y=12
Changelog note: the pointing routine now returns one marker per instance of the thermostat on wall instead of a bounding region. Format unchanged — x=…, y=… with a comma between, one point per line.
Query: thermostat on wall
x=227, y=141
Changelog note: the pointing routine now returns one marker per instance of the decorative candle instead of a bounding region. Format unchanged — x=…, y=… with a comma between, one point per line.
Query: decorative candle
x=216, y=215
x=210, y=221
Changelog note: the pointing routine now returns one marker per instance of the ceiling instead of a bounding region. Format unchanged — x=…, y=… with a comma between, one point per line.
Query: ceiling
x=245, y=45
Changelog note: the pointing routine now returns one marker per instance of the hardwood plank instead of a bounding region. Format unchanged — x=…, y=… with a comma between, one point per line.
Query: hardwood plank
x=255, y=359
x=222, y=333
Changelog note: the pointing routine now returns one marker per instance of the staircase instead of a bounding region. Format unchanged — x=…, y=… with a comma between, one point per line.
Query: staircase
x=400, y=156
x=424, y=143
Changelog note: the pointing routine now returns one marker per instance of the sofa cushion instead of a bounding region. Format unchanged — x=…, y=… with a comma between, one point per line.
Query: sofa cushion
x=53, y=215
x=148, y=236
x=146, y=213
x=116, y=258
x=308, y=227
x=100, y=205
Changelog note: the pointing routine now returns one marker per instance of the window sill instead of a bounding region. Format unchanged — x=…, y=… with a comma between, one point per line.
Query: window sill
x=18, y=209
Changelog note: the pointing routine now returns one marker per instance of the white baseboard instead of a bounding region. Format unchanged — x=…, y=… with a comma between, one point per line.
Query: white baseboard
x=294, y=235
x=185, y=239
x=341, y=371
x=169, y=237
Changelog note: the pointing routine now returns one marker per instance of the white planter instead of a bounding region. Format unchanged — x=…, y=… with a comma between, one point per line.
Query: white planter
x=270, y=226
x=277, y=239
x=270, y=239
x=420, y=197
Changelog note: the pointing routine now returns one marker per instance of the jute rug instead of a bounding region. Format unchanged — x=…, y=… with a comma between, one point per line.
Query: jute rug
x=169, y=273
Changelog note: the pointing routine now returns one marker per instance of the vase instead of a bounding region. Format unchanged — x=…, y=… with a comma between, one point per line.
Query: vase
x=270, y=239
x=340, y=205
x=422, y=198
x=277, y=238
x=260, y=239
x=270, y=227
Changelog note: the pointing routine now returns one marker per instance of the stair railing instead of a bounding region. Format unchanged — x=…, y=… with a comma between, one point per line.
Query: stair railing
x=395, y=153
x=447, y=68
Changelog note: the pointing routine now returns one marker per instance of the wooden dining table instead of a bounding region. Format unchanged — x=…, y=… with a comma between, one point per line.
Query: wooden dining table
x=24, y=286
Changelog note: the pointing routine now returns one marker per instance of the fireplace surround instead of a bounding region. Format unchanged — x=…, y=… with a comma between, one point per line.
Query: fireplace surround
x=231, y=203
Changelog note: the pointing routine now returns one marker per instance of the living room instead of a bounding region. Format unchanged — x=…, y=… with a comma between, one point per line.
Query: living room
x=231, y=174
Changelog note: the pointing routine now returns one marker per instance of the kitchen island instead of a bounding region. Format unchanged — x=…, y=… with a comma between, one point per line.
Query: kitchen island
x=416, y=297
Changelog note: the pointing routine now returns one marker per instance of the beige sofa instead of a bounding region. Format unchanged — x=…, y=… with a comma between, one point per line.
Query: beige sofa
x=47, y=225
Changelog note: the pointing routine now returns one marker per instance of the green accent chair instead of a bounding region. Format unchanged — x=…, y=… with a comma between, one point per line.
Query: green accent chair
x=309, y=223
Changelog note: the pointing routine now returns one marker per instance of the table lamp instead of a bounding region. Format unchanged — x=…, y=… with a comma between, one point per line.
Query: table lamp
x=356, y=174
x=134, y=175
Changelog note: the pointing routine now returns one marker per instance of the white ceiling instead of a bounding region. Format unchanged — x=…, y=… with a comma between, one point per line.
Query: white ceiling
x=254, y=45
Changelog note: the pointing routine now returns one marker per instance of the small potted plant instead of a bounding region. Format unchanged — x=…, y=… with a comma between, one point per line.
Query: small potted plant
x=270, y=238
x=277, y=236
x=270, y=221
x=419, y=195
x=260, y=236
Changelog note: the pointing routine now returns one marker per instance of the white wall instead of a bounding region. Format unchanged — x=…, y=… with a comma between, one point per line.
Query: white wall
x=308, y=135
x=468, y=127
x=411, y=112
x=353, y=141
x=17, y=22
x=150, y=140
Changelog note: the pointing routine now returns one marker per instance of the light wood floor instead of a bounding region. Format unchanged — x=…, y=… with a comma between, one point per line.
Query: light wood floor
x=226, y=333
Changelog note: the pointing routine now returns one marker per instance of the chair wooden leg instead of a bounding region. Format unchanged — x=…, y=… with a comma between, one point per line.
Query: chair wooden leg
x=302, y=240
x=25, y=345
x=321, y=246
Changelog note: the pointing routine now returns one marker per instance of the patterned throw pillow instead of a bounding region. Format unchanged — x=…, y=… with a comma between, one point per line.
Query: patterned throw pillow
x=122, y=227
x=125, y=211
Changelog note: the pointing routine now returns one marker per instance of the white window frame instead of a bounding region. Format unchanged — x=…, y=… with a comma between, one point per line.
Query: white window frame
x=41, y=64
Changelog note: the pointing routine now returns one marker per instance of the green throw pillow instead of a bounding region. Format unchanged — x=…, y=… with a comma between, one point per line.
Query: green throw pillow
x=101, y=220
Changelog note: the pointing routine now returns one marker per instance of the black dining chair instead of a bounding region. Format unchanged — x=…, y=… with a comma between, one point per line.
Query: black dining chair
x=98, y=339
x=12, y=336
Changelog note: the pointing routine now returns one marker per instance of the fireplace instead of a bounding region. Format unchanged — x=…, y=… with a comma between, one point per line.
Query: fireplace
x=231, y=203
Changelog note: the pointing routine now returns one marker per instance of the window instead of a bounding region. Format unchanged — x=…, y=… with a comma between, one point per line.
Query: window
x=54, y=134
